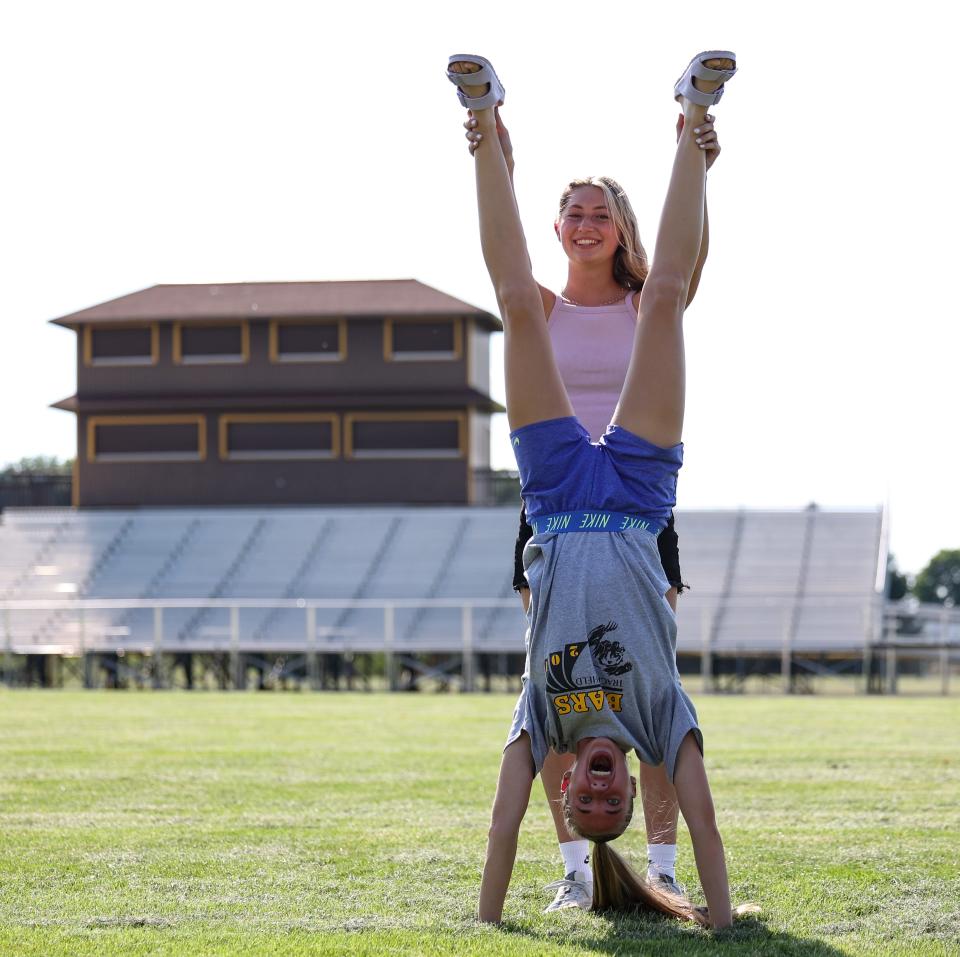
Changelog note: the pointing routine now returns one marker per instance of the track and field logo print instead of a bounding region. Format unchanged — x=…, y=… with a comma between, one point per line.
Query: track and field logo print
x=606, y=653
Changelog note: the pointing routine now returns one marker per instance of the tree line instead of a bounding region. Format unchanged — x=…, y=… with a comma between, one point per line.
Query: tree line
x=37, y=465
x=938, y=583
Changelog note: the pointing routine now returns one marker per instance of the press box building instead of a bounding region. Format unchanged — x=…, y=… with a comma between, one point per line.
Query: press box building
x=281, y=393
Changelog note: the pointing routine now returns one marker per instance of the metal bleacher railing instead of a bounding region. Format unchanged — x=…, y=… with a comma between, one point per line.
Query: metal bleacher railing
x=408, y=581
x=909, y=630
x=84, y=632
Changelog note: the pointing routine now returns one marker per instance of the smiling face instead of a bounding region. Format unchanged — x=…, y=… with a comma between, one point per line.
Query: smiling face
x=586, y=228
x=598, y=789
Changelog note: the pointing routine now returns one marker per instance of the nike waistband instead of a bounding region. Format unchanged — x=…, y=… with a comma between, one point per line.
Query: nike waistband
x=592, y=520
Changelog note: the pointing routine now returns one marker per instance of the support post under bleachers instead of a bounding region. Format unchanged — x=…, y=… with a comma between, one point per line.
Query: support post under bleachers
x=157, y=647
x=7, y=648
x=313, y=663
x=786, y=653
x=89, y=662
x=468, y=662
x=706, y=655
x=945, y=652
x=237, y=663
x=389, y=633
x=892, y=669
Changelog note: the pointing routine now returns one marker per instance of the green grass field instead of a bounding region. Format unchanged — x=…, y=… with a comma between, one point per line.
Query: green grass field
x=171, y=823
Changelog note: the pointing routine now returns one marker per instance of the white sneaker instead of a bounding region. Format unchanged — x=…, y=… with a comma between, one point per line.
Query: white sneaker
x=572, y=891
x=665, y=882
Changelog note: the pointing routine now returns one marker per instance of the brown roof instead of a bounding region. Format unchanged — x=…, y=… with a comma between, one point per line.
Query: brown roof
x=245, y=300
x=451, y=398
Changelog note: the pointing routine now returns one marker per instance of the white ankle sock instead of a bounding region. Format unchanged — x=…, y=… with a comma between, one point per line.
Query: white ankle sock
x=576, y=857
x=662, y=859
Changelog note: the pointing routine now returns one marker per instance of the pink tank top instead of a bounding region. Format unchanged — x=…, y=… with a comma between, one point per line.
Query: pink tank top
x=592, y=346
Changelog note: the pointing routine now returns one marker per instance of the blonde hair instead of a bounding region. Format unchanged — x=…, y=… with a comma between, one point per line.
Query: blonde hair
x=630, y=265
x=617, y=886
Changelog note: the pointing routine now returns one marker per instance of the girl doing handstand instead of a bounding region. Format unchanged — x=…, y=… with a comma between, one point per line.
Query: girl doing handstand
x=601, y=673
x=592, y=323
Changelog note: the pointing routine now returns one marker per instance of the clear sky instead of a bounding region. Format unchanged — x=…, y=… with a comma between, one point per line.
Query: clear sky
x=227, y=142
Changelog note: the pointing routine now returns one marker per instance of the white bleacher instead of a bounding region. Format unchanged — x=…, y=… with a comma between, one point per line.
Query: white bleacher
x=408, y=561
x=214, y=547
x=707, y=541
x=73, y=547
x=759, y=578
x=80, y=545
x=840, y=568
x=25, y=548
x=478, y=564
x=24, y=554
x=354, y=541
x=284, y=543
x=766, y=578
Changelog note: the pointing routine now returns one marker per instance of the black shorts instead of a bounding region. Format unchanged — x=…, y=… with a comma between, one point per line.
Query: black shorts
x=667, y=542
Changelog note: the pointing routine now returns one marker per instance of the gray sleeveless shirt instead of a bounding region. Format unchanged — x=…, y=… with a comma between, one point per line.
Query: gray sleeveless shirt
x=601, y=648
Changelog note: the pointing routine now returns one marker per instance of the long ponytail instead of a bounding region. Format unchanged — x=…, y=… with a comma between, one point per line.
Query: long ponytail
x=617, y=886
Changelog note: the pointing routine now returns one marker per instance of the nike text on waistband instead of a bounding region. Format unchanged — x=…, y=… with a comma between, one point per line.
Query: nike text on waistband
x=592, y=520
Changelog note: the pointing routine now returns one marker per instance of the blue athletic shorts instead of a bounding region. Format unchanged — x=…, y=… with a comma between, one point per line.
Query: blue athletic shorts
x=561, y=470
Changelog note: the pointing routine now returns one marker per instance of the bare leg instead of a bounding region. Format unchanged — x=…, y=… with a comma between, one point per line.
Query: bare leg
x=651, y=403
x=534, y=388
x=551, y=774
x=660, y=810
x=696, y=803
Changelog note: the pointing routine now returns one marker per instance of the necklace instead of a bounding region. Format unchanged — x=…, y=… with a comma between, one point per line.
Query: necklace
x=609, y=302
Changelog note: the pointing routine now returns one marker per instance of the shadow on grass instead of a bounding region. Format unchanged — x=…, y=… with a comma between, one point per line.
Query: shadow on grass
x=643, y=934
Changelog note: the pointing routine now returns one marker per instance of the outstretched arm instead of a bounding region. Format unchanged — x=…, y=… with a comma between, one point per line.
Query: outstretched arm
x=509, y=807
x=696, y=804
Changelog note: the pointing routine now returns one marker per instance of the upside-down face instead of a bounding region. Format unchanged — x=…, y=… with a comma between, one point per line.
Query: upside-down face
x=599, y=789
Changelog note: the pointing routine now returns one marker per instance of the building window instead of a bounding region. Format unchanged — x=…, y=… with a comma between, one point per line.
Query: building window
x=153, y=438
x=308, y=340
x=292, y=435
x=121, y=345
x=404, y=435
x=199, y=344
x=418, y=340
